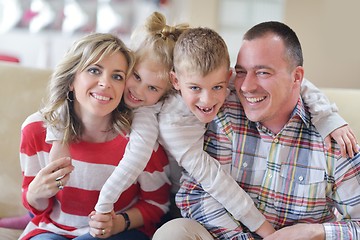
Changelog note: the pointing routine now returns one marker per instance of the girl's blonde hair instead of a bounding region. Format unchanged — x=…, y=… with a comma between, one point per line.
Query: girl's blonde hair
x=155, y=41
x=59, y=109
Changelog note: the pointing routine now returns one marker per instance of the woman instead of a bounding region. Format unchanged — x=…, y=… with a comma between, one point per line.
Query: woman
x=85, y=97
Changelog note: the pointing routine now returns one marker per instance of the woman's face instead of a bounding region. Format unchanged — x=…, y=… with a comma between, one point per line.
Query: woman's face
x=146, y=85
x=99, y=88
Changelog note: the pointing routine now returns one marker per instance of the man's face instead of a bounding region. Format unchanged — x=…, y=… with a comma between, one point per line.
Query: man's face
x=203, y=95
x=266, y=87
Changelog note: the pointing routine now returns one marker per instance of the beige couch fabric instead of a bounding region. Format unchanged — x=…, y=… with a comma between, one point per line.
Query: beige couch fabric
x=22, y=92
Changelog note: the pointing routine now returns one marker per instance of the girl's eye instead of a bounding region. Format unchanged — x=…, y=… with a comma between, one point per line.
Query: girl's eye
x=153, y=88
x=94, y=70
x=195, y=88
x=118, y=77
x=136, y=76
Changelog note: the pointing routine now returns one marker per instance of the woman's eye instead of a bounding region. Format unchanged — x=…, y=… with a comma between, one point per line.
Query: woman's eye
x=118, y=77
x=94, y=71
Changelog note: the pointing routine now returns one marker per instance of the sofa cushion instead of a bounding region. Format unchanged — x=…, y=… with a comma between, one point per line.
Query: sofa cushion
x=22, y=91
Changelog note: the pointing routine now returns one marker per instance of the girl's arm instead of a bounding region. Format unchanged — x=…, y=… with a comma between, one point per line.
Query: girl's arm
x=326, y=119
x=143, y=137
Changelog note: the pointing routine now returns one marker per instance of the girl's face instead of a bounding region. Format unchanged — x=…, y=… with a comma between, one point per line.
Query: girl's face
x=146, y=85
x=99, y=88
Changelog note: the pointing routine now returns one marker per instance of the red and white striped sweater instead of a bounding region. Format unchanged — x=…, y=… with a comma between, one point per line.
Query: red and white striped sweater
x=68, y=211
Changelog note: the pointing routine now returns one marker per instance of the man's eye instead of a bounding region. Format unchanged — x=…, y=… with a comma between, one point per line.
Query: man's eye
x=240, y=73
x=262, y=73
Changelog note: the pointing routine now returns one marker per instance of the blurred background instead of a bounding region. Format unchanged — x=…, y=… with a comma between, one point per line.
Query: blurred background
x=36, y=33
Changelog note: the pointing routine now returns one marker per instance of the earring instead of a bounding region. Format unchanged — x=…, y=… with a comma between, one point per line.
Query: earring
x=70, y=96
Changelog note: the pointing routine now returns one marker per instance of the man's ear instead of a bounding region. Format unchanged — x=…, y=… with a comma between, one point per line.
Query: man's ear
x=298, y=75
x=174, y=80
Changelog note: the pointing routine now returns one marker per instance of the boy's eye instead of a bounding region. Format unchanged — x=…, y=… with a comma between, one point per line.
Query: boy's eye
x=194, y=88
x=217, y=87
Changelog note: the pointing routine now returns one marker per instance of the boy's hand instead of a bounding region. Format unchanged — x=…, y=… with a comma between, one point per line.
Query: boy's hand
x=346, y=138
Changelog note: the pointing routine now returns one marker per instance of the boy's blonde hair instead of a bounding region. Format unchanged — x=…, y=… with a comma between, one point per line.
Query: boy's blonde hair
x=155, y=40
x=59, y=111
x=200, y=51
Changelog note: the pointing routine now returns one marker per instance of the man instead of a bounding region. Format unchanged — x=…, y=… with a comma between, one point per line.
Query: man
x=275, y=152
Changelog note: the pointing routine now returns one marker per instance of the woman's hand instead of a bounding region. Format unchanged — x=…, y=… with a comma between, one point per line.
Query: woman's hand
x=101, y=224
x=48, y=182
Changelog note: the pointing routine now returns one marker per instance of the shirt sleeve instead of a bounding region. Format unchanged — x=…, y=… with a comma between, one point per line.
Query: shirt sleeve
x=346, y=199
x=33, y=151
x=324, y=115
x=183, y=138
x=154, y=190
x=142, y=140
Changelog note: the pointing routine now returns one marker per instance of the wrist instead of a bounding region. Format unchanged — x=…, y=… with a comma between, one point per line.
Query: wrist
x=126, y=221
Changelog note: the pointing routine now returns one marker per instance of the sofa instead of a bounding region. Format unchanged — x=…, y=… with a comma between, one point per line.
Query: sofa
x=23, y=90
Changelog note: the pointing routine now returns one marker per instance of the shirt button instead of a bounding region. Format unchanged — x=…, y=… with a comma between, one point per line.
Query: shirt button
x=276, y=140
x=245, y=164
x=301, y=178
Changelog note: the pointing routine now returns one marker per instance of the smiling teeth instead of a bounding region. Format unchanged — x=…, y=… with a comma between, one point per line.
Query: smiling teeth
x=102, y=98
x=206, y=109
x=255, y=100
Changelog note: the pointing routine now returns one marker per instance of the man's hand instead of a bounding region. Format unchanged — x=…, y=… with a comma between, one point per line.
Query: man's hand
x=346, y=138
x=299, y=231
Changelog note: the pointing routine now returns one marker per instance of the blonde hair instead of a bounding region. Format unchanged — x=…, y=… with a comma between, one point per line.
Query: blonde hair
x=200, y=51
x=59, y=110
x=155, y=41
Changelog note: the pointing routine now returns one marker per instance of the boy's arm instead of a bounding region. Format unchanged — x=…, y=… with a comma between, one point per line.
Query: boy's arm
x=326, y=119
x=182, y=137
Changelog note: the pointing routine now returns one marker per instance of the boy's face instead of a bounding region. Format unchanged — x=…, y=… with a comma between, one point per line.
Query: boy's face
x=203, y=95
x=146, y=85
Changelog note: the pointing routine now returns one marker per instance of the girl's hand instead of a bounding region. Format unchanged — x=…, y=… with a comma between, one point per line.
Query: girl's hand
x=48, y=182
x=101, y=224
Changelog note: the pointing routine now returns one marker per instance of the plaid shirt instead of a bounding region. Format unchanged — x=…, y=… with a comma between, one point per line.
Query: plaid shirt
x=290, y=176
